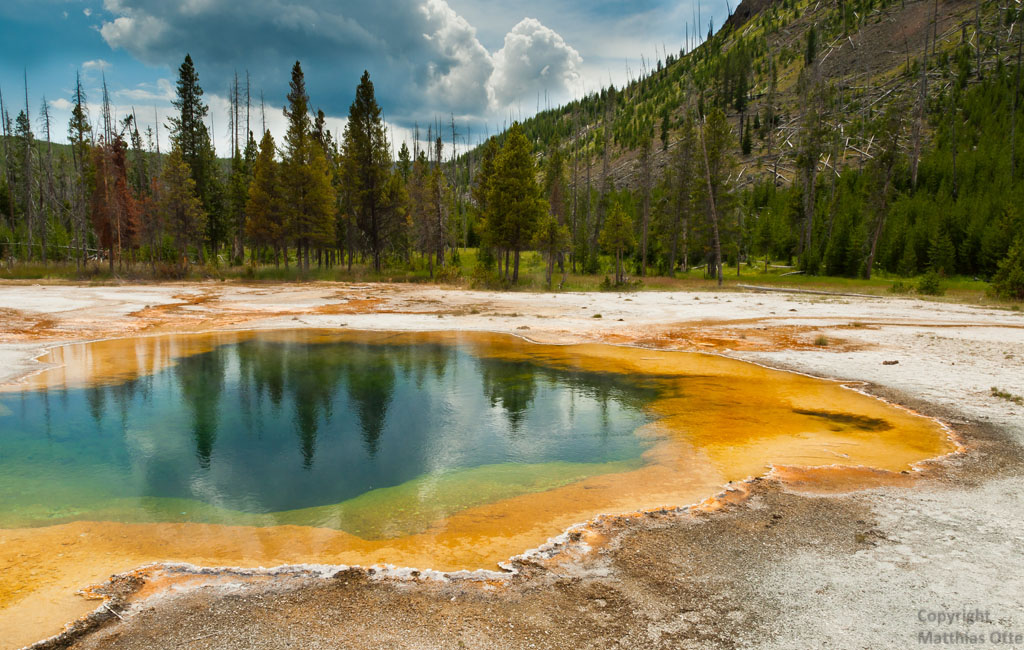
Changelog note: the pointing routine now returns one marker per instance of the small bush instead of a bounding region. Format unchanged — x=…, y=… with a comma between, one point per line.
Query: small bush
x=900, y=288
x=1009, y=279
x=930, y=284
x=484, y=278
x=450, y=274
x=821, y=341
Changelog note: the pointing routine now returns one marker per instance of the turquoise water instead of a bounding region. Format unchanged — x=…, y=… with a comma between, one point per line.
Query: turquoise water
x=262, y=426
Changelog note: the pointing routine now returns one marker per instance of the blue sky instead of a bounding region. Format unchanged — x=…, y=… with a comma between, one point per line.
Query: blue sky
x=484, y=62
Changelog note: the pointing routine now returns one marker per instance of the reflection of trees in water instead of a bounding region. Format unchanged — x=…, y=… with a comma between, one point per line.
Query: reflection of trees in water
x=512, y=385
x=312, y=376
x=96, y=397
x=262, y=371
x=416, y=360
x=201, y=380
x=371, y=384
x=123, y=394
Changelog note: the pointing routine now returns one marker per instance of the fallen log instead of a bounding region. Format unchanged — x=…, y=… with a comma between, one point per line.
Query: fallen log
x=754, y=287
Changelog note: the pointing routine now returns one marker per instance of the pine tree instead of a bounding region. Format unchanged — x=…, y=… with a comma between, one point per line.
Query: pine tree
x=617, y=238
x=551, y=239
x=264, y=225
x=237, y=195
x=404, y=162
x=309, y=194
x=192, y=139
x=941, y=253
x=25, y=167
x=181, y=209
x=115, y=213
x=419, y=213
x=367, y=165
x=716, y=142
x=646, y=179
x=556, y=190
x=682, y=176
x=440, y=199
x=1008, y=281
x=908, y=262
x=515, y=196
x=883, y=169
x=485, y=217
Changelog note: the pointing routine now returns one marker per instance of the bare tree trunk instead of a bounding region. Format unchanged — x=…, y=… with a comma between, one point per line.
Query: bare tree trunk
x=714, y=213
x=606, y=127
x=50, y=193
x=645, y=180
x=27, y=173
x=918, y=134
x=575, y=187
x=1016, y=99
x=977, y=35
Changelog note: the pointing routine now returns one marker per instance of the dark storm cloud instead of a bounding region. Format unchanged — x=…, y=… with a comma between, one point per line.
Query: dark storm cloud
x=423, y=57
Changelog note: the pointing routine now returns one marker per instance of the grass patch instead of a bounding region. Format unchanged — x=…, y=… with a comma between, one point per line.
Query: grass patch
x=464, y=271
x=1009, y=397
x=821, y=341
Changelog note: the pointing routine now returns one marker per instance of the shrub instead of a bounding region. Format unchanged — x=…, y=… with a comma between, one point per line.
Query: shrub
x=900, y=287
x=449, y=274
x=930, y=284
x=484, y=278
x=1009, y=279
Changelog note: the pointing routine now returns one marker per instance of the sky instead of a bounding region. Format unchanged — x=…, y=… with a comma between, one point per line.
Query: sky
x=483, y=63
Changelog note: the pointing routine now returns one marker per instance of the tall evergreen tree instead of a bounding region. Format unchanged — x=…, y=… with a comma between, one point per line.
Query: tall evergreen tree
x=481, y=194
x=306, y=180
x=515, y=196
x=716, y=143
x=181, y=209
x=617, y=238
x=367, y=165
x=683, y=173
x=556, y=192
x=190, y=136
x=551, y=239
x=25, y=161
x=645, y=165
x=404, y=162
x=115, y=213
x=264, y=225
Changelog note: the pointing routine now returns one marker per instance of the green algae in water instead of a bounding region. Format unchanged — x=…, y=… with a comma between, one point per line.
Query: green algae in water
x=378, y=440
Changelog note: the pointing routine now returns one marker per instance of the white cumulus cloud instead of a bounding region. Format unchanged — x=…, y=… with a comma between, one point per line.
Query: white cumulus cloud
x=460, y=67
x=534, y=59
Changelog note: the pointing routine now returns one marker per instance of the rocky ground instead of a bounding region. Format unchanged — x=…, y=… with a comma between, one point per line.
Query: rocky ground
x=789, y=566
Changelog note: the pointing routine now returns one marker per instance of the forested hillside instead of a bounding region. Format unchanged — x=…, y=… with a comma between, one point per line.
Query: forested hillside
x=844, y=138
x=862, y=136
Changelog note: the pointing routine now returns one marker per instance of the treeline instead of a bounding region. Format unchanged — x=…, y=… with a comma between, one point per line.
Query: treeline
x=314, y=198
x=722, y=170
